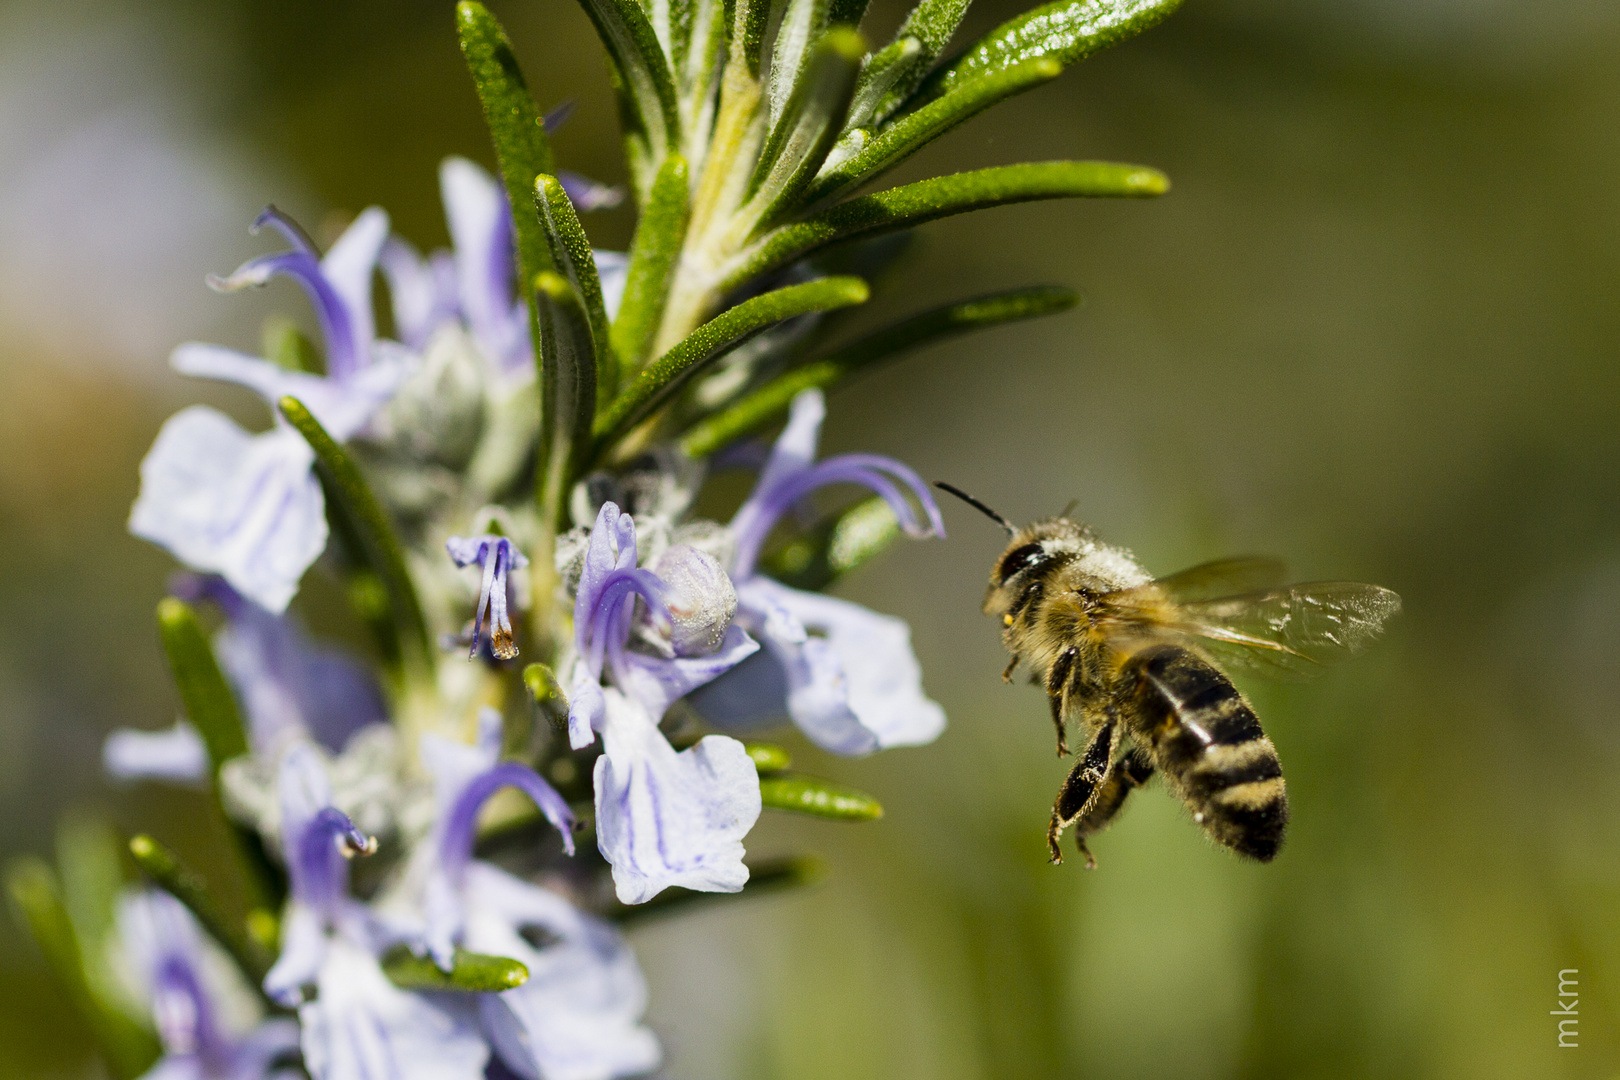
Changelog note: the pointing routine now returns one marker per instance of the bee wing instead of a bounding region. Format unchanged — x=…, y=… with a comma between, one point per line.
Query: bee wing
x=1207, y=581
x=1296, y=631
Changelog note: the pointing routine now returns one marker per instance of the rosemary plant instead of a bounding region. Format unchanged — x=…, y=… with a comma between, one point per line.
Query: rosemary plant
x=438, y=849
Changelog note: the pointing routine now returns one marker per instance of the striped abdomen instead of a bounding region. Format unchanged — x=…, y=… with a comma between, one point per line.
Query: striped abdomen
x=1206, y=740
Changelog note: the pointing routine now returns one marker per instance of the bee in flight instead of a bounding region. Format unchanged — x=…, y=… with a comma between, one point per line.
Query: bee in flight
x=1136, y=664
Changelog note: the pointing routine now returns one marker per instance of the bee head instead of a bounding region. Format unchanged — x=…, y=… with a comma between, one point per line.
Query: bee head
x=1036, y=546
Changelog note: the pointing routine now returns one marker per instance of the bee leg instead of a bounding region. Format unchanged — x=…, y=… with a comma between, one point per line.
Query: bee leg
x=1080, y=790
x=1007, y=672
x=1131, y=770
x=1057, y=690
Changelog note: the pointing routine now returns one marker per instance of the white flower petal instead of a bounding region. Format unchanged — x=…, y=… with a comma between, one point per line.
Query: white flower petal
x=363, y=1027
x=349, y=266
x=176, y=754
x=244, y=506
x=579, y=1015
x=665, y=818
x=855, y=688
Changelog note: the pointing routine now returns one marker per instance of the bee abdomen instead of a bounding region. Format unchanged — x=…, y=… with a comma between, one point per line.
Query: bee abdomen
x=1212, y=750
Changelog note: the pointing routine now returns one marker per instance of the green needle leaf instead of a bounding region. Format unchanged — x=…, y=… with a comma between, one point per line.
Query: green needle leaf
x=659, y=381
x=910, y=133
x=931, y=24
x=882, y=72
x=188, y=887
x=648, y=90
x=943, y=196
x=798, y=29
x=818, y=798
x=653, y=253
x=211, y=708
x=768, y=757
x=517, y=130
x=345, y=486
x=1067, y=31
x=572, y=255
x=204, y=693
x=469, y=972
x=568, y=374
x=547, y=694
x=129, y=1048
x=288, y=347
x=808, y=126
x=764, y=405
x=764, y=878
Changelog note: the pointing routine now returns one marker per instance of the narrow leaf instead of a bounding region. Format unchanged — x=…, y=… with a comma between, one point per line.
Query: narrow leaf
x=343, y=484
x=517, y=129
x=942, y=196
x=764, y=878
x=547, y=694
x=768, y=757
x=569, y=370
x=1068, y=31
x=749, y=21
x=801, y=24
x=653, y=253
x=204, y=693
x=128, y=1048
x=572, y=256
x=883, y=71
x=818, y=798
x=835, y=546
x=769, y=402
x=469, y=972
x=931, y=24
x=915, y=130
x=659, y=381
x=647, y=84
x=188, y=887
x=808, y=126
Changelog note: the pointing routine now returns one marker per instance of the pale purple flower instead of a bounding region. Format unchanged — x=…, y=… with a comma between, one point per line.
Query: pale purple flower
x=496, y=557
x=358, y=1024
x=662, y=818
x=287, y=686
x=845, y=675
x=476, y=282
x=247, y=506
x=578, y=1017
x=195, y=1007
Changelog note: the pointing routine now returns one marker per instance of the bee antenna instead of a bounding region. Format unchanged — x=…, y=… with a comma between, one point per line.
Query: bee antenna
x=977, y=505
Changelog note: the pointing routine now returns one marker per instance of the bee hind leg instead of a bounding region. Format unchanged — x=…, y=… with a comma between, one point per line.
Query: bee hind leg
x=1080, y=790
x=1057, y=690
x=1131, y=770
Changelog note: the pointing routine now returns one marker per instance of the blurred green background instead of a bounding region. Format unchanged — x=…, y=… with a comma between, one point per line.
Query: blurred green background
x=1372, y=329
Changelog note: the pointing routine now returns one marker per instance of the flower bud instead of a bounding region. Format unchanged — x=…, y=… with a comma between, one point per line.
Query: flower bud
x=701, y=600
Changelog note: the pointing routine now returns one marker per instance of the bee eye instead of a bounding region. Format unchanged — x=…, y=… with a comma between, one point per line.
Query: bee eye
x=1019, y=558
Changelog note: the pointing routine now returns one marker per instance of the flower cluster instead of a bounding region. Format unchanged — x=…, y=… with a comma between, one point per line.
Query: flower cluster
x=503, y=479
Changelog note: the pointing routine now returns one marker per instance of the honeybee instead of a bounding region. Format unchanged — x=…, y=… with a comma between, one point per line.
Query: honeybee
x=1135, y=662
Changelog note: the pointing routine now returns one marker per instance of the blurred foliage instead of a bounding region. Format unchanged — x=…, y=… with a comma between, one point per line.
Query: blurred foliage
x=1371, y=329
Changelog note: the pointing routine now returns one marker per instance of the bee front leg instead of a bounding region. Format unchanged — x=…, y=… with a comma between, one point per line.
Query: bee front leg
x=1057, y=692
x=1080, y=790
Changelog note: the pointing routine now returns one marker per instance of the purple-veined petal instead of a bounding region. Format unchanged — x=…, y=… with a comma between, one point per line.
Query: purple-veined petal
x=342, y=406
x=255, y=1054
x=665, y=818
x=175, y=754
x=579, y=1015
x=658, y=683
x=363, y=1027
x=855, y=685
x=246, y=507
